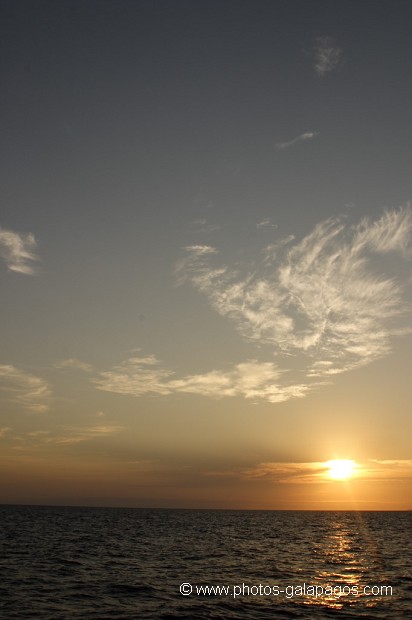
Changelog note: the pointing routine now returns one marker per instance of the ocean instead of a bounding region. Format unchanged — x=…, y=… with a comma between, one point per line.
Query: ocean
x=111, y=563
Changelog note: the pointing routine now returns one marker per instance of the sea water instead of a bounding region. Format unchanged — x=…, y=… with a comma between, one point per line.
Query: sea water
x=111, y=563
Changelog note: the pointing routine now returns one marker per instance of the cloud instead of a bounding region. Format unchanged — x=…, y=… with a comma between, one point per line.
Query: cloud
x=30, y=392
x=324, y=298
x=201, y=250
x=18, y=251
x=317, y=471
x=327, y=55
x=193, y=258
x=266, y=224
x=202, y=226
x=251, y=380
x=75, y=364
x=135, y=376
x=398, y=469
x=66, y=435
x=73, y=435
x=278, y=472
x=286, y=472
x=304, y=136
x=4, y=430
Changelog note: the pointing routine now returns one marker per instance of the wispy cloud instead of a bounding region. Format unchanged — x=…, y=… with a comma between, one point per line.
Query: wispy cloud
x=317, y=472
x=135, y=376
x=266, y=224
x=323, y=297
x=278, y=472
x=287, y=472
x=202, y=226
x=18, y=251
x=73, y=363
x=30, y=392
x=251, y=379
x=80, y=434
x=327, y=55
x=193, y=260
x=309, y=135
x=62, y=436
x=398, y=469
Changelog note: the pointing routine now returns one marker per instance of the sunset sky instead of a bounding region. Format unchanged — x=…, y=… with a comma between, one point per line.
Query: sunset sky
x=205, y=253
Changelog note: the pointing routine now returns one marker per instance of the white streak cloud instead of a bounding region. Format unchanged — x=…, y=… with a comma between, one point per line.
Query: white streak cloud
x=17, y=250
x=73, y=363
x=30, y=392
x=266, y=224
x=73, y=435
x=304, y=136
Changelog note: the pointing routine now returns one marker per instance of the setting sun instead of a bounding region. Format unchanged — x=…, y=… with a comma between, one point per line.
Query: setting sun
x=341, y=469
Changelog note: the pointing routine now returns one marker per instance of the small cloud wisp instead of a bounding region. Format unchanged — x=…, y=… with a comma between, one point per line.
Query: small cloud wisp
x=327, y=55
x=17, y=250
x=309, y=135
x=30, y=392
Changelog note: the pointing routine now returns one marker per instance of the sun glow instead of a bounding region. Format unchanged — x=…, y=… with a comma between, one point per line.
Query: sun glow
x=341, y=469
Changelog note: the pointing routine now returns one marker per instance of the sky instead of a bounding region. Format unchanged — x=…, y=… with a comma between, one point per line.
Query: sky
x=205, y=254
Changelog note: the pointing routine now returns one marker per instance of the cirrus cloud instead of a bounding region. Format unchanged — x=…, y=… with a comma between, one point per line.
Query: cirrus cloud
x=322, y=297
x=30, y=392
x=18, y=251
x=326, y=54
x=254, y=380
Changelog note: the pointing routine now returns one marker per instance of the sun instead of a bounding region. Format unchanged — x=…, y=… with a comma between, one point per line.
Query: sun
x=341, y=469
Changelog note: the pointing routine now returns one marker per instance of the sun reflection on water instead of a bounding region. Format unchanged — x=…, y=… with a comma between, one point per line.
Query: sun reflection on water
x=346, y=562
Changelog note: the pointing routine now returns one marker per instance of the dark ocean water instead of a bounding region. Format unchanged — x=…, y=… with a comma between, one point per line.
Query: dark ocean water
x=110, y=563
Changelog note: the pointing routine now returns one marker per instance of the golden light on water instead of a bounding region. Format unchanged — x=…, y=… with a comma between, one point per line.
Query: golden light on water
x=341, y=469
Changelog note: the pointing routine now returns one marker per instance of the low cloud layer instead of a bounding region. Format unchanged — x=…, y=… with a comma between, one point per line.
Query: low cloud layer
x=18, y=251
x=317, y=472
x=62, y=436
